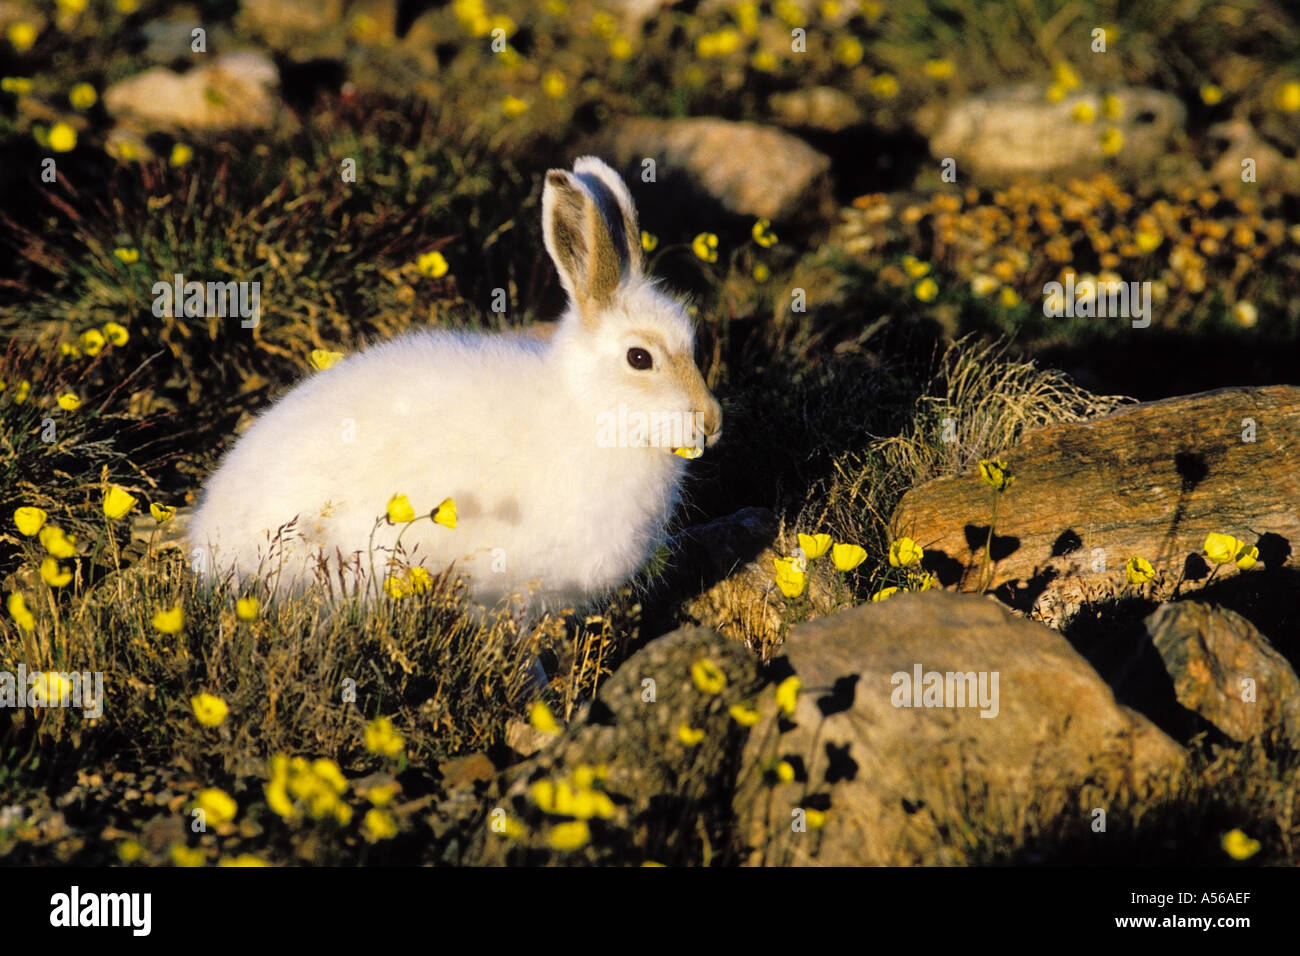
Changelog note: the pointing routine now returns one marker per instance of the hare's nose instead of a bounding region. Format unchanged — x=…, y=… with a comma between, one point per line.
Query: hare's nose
x=711, y=421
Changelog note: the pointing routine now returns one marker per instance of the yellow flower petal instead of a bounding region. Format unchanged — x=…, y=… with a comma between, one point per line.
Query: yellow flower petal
x=689, y=735
x=400, y=510
x=708, y=677
x=18, y=610
x=1222, y=548
x=323, y=358
x=539, y=715
x=208, y=708
x=445, y=513
x=56, y=542
x=247, y=608
x=1138, y=570
x=161, y=513
x=53, y=575
x=905, y=552
x=117, y=502
x=787, y=694
x=569, y=836
x=29, y=520
x=815, y=545
x=1237, y=845
x=69, y=402
x=743, y=715
x=170, y=622
x=848, y=556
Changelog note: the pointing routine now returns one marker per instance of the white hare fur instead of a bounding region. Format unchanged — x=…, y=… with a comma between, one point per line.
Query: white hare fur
x=507, y=425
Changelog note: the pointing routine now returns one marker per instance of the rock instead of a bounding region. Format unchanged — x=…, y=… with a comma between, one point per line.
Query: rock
x=1150, y=480
x=898, y=783
x=1016, y=131
x=747, y=169
x=1209, y=652
x=234, y=91
x=822, y=108
x=656, y=782
x=1238, y=140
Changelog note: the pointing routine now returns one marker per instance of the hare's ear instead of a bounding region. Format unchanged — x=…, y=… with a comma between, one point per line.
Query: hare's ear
x=584, y=231
x=616, y=205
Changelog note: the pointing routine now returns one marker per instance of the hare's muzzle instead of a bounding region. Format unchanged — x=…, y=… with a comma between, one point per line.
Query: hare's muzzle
x=710, y=419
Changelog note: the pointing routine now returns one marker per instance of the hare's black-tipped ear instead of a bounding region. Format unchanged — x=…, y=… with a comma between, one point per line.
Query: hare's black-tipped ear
x=584, y=232
x=616, y=204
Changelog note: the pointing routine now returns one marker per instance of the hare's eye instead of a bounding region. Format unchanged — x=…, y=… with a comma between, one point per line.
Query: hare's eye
x=639, y=359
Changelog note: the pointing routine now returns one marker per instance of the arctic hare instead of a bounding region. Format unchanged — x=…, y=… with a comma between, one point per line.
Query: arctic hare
x=564, y=456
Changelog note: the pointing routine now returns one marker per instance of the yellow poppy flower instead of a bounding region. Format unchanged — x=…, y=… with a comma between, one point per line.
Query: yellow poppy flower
x=1222, y=548
x=53, y=575
x=22, y=36
x=743, y=715
x=814, y=545
x=210, y=710
x=383, y=794
x=117, y=502
x=1138, y=570
x=378, y=825
x=170, y=622
x=17, y=85
x=816, y=818
x=382, y=738
x=569, y=836
x=18, y=610
x=92, y=341
x=708, y=677
x=128, y=851
x=57, y=543
x=217, y=805
x=1083, y=112
x=905, y=552
x=243, y=860
x=649, y=241
x=884, y=86
x=1210, y=94
x=789, y=578
x=993, y=471
x=848, y=556
x=21, y=391
x=182, y=855
x=762, y=273
x=554, y=84
x=513, y=106
x=322, y=359
x=1239, y=846
x=82, y=96
x=540, y=716
x=69, y=402
x=29, y=520
x=246, y=608
x=1288, y=97
x=884, y=594
x=689, y=736
x=62, y=138
x=116, y=333
x=161, y=513
x=1008, y=297
x=1247, y=557
x=787, y=694
x=445, y=513
x=68, y=350
x=400, y=510
x=938, y=69
x=1112, y=141
x=914, y=267
x=784, y=771
x=180, y=155
x=690, y=453
x=926, y=290
x=419, y=580
x=763, y=234
x=705, y=246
